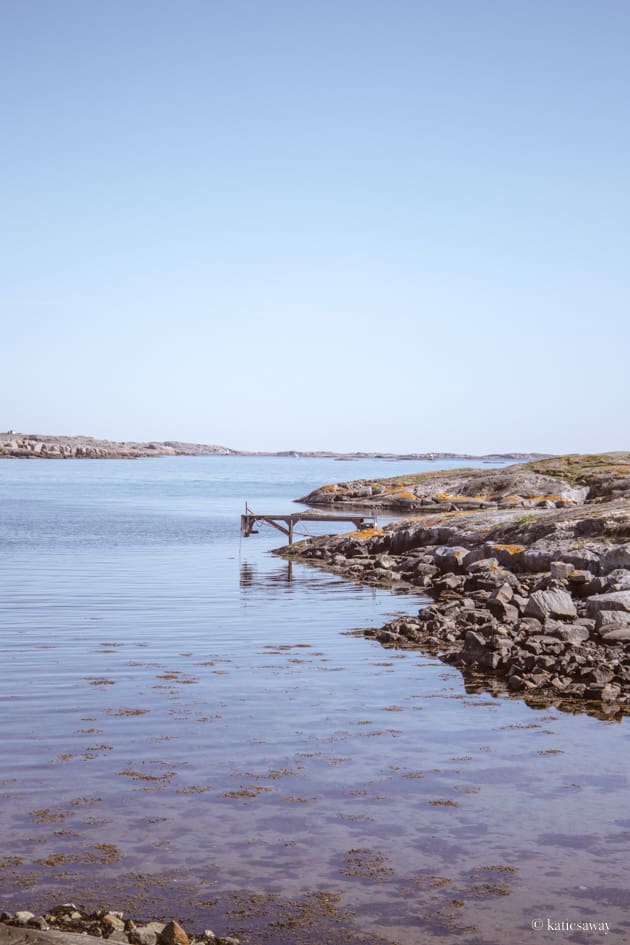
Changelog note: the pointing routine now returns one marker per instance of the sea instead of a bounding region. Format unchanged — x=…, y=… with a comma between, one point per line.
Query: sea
x=194, y=728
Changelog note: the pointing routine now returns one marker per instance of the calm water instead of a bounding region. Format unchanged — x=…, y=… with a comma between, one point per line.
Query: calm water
x=190, y=729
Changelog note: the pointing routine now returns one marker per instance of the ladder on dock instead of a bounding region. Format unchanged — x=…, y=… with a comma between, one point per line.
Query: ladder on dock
x=286, y=523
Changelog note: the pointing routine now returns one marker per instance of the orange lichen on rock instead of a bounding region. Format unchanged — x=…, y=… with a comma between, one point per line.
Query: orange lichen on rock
x=366, y=533
x=511, y=549
x=547, y=498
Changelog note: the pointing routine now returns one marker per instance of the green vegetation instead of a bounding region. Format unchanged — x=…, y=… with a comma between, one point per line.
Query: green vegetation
x=525, y=519
x=578, y=469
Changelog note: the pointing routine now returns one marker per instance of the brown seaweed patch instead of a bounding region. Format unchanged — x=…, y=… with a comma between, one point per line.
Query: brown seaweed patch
x=247, y=791
x=195, y=789
x=10, y=862
x=143, y=776
x=316, y=917
x=489, y=890
x=46, y=815
x=518, y=726
x=86, y=801
x=123, y=713
x=428, y=881
x=55, y=859
x=356, y=818
x=276, y=773
x=106, y=853
x=367, y=864
x=102, y=854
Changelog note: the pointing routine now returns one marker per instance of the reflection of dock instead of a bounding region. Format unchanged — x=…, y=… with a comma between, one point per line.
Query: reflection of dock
x=286, y=523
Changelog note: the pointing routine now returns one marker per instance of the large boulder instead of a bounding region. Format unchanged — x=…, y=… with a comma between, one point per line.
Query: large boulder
x=543, y=604
x=450, y=559
x=605, y=618
x=616, y=634
x=616, y=558
x=615, y=600
x=572, y=634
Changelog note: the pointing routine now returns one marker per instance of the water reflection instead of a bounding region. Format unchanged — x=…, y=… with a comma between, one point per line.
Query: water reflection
x=251, y=576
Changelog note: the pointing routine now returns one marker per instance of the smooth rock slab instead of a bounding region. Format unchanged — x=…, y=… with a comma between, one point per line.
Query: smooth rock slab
x=616, y=634
x=142, y=935
x=616, y=558
x=543, y=604
x=572, y=635
x=616, y=600
x=14, y=935
x=618, y=617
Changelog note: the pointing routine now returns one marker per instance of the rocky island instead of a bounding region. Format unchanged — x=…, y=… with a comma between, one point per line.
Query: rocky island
x=528, y=566
x=15, y=445
x=43, y=446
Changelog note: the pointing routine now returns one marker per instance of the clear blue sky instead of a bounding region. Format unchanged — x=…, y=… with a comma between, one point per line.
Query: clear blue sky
x=396, y=225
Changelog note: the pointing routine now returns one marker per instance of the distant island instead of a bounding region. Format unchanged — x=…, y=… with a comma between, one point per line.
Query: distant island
x=15, y=445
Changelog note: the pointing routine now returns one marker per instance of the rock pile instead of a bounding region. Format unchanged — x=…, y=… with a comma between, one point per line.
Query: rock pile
x=540, y=602
x=111, y=925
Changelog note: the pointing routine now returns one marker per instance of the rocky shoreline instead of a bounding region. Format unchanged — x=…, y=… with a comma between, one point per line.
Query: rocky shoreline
x=535, y=604
x=104, y=923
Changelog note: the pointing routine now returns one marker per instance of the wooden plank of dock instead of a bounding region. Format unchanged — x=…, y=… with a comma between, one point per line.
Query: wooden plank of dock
x=286, y=523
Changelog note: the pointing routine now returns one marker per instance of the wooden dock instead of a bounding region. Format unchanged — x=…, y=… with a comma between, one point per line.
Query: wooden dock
x=286, y=523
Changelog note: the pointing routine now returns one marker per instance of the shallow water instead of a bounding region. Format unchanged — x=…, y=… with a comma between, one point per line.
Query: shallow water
x=190, y=729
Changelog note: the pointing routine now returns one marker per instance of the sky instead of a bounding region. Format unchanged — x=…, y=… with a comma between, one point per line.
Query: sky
x=387, y=225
